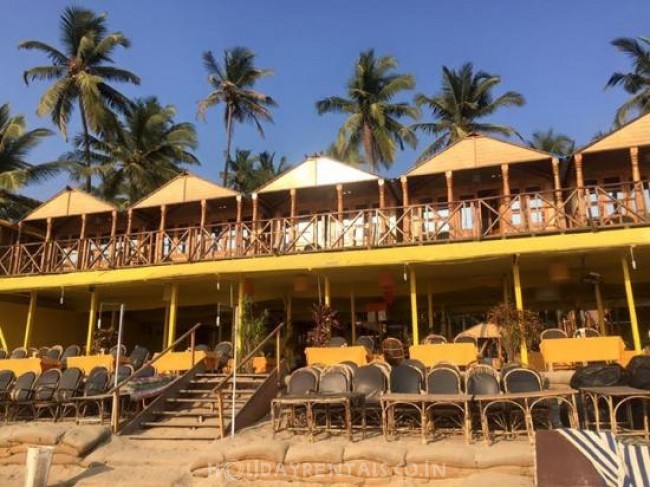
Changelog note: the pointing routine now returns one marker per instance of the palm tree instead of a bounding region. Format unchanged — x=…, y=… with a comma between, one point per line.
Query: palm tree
x=349, y=155
x=15, y=171
x=373, y=118
x=147, y=150
x=82, y=70
x=465, y=98
x=232, y=85
x=636, y=82
x=244, y=174
x=267, y=169
x=559, y=145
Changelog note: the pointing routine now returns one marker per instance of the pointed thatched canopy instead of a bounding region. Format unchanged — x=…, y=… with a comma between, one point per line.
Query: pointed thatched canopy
x=476, y=151
x=184, y=188
x=317, y=171
x=70, y=202
x=633, y=134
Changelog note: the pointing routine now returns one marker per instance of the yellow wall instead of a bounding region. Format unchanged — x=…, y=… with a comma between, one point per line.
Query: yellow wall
x=51, y=326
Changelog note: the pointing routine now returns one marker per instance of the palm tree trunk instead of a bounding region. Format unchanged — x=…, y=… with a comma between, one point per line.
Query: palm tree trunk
x=367, y=147
x=228, y=141
x=86, y=135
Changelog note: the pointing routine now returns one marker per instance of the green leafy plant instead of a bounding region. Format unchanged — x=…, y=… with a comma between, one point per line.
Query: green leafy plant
x=253, y=327
x=515, y=326
x=325, y=319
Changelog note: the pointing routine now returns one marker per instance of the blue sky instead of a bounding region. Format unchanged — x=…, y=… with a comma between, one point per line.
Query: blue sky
x=555, y=52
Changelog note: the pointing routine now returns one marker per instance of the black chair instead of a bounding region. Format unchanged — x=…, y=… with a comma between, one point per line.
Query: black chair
x=353, y=366
x=465, y=339
x=371, y=381
x=122, y=349
x=123, y=371
x=335, y=393
x=443, y=380
x=449, y=413
x=67, y=388
x=293, y=405
x=43, y=391
x=139, y=356
x=586, y=333
x=7, y=378
x=366, y=341
x=433, y=339
x=334, y=379
x=202, y=347
x=519, y=379
x=22, y=391
x=148, y=371
x=54, y=353
x=42, y=352
x=417, y=364
x=553, y=333
x=70, y=351
x=393, y=351
x=336, y=342
x=405, y=379
x=93, y=393
x=20, y=352
x=482, y=380
x=3, y=353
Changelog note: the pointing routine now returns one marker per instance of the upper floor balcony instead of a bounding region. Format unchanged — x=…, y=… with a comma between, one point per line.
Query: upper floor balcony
x=588, y=208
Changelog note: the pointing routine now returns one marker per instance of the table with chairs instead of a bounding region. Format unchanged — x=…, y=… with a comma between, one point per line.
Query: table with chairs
x=460, y=353
x=334, y=355
x=561, y=350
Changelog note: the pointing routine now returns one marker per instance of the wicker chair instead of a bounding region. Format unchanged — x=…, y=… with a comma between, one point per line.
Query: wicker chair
x=70, y=351
x=21, y=391
x=393, y=351
x=301, y=385
x=7, y=378
x=43, y=391
x=54, y=353
x=336, y=342
x=450, y=413
x=553, y=333
x=93, y=393
x=586, y=333
x=433, y=339
x=67, y=388
x=371, y=381
x=3, y=353
x=19, y=352
x=139, y=356
x=366, y=341
x=464, y=339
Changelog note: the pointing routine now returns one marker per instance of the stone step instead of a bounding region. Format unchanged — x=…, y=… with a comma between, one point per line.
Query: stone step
x=178, y=424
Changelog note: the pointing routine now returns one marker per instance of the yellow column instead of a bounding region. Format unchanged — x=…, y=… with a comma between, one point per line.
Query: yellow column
x=601, y=309
x=353, y=316
x=240, y=309
x=173, y=310
x=414, y=307
x=31, y=312
x=519, y=303
x=165, y=327
x=3, y=342
x=328, y=296
x=92, y=315
x=430, y=306
x=631, y=306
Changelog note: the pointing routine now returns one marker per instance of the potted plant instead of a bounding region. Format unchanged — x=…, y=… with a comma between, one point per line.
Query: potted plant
x=515, y=327
x=253, y=331
x=325, y=320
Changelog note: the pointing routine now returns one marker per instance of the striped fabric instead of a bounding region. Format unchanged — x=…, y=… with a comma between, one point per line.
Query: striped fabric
x=619, y=464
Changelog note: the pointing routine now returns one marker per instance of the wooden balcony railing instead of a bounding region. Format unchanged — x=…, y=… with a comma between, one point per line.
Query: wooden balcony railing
x=588, y=208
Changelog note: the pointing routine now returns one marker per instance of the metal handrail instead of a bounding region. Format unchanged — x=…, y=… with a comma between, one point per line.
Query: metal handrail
x=115, y=391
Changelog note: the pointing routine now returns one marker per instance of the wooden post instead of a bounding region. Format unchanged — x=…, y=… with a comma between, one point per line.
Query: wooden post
x=239, y=237
x=16, y=263
x=47, y=254
x=631, y=305
x=204, y=213
x=636, y=178
x=292, y=215
x=382, y=206
x=31, y=315
x=161, y=233
x=113, y=247
x=127, y=238
x=339, y=200
x=557, y=187
x=353, y=316
x=414, y=306
x=328, y=297
x=430, y=307
x=601, y=310
x=255, y=220
x=505, y=217
x=406, y=221
x=519, y=303
x=173, y=313
x=82, y=244
x=92, y=319
x=580, y=183
x=453, y=221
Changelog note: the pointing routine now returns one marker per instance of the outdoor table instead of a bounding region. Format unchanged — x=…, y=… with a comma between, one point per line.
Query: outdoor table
x=179, y=361
x=423, y=403
x=460, y=354
x=526, y=402
x=614, y=398
x=88, y=362
x=336, y=355
x=21, y=365
x=581, y=350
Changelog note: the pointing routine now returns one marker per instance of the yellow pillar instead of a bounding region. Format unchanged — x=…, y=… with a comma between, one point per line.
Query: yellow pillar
x=31, y=312
x=3, y=342
x=519, y=303
x=239, y=314
x=328, y=297
x=92, y=315
x=166, y=327
x=173, y=310
x=353, y=316
x=631, y=306
x=601, y=309
x=430, y=306
x=414, y=307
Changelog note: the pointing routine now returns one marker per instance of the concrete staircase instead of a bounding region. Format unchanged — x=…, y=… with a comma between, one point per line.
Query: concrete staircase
x=196, y=412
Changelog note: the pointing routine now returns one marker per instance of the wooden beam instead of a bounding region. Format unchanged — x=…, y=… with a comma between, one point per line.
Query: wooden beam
x=505, y=204
x=31, y=315
x=557, y=187
x=414, y=306
x=631, y=305
x=636, y=178
x=239, y=240
x=454, y=221
x=92, y=320
x=406, y=221
x=204, y=212
x=580, y=183
x=519, y=303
